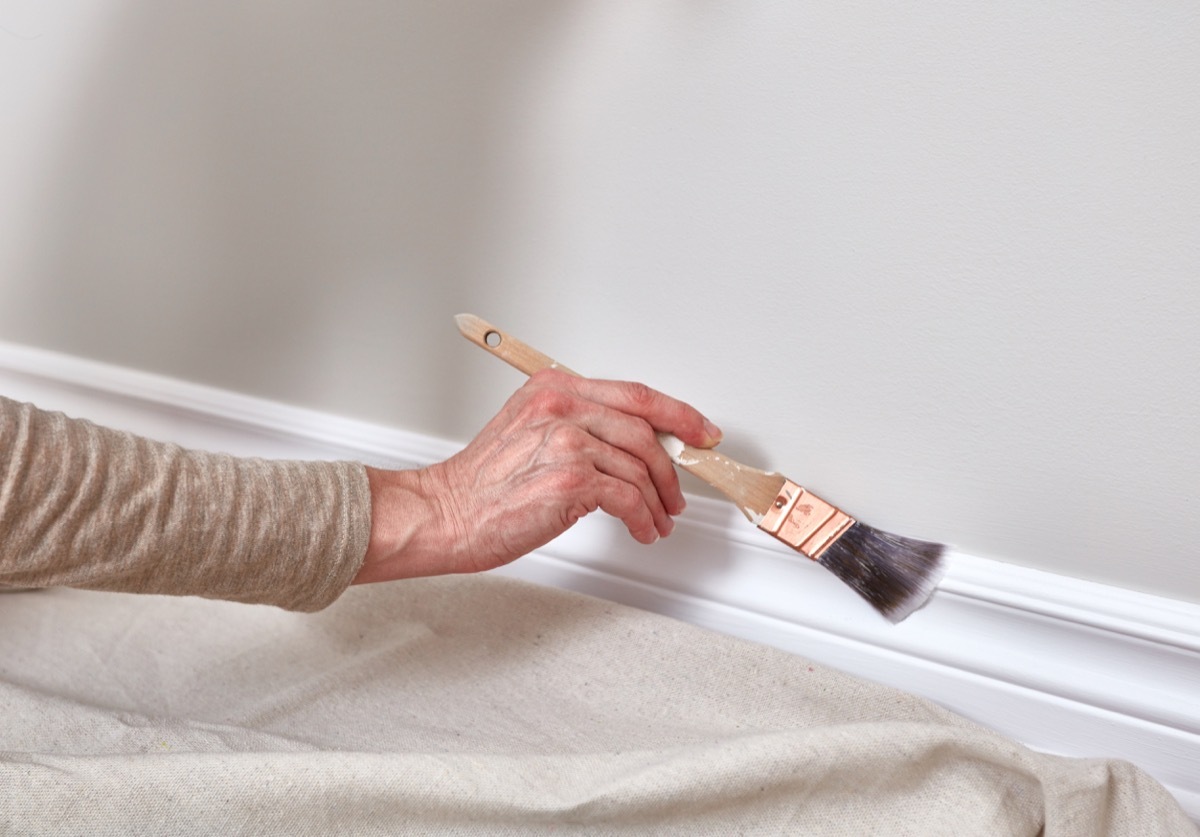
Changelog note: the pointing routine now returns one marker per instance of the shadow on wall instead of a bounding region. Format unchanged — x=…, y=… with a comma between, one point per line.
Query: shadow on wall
x=285, y=199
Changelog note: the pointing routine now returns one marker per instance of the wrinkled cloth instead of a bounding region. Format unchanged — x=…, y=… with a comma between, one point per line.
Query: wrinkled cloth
x=89, y=507
x=481, y=705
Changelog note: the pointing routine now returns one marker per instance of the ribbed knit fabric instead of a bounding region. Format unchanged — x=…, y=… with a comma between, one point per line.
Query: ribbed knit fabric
x=89, y=507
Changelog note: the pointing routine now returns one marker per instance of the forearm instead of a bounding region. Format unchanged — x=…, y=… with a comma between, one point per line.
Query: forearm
x=85, y=506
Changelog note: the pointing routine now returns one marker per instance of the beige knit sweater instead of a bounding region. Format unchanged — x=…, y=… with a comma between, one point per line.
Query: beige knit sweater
x=86, y=506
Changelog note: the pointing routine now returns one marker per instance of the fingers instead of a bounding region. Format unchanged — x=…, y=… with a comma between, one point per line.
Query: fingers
x=630, y=448
x=663, y=413
x=646, y=510
x=638, y=458
x=625, y=502
x=560, y=448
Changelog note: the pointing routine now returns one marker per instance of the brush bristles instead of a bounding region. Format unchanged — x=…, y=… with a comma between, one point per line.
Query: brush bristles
x=896, y=575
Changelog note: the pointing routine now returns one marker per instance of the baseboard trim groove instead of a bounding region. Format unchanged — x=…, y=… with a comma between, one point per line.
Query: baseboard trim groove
x=1061, y=664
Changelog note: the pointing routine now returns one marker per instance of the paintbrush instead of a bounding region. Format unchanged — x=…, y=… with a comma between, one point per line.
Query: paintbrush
x=897, y=575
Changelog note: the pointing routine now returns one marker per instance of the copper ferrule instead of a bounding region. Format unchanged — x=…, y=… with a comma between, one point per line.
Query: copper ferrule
x=804, y=521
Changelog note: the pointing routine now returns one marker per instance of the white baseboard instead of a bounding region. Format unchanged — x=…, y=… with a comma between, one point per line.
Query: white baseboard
x=1060, y=664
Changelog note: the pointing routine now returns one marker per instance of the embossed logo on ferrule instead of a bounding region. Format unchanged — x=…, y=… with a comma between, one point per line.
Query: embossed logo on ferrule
x=804, y=521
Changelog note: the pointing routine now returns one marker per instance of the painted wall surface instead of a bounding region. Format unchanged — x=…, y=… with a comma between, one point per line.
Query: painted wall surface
x=942, y=263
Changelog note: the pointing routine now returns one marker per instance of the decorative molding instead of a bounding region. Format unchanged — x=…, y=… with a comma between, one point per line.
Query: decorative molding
x=1061, y=664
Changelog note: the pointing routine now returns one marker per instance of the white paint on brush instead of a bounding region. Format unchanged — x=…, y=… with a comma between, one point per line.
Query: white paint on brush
x=675, y=449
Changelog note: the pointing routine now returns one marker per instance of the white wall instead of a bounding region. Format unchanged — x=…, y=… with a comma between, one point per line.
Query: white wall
x=939, y=263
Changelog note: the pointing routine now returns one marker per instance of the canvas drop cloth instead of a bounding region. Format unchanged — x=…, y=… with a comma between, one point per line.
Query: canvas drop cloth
x=473, y=705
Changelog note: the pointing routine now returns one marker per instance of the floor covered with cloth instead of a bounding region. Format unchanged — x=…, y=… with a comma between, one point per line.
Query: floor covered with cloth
x=483, y=705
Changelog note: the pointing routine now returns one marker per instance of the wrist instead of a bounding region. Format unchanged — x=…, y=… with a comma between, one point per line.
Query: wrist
x=407, y=527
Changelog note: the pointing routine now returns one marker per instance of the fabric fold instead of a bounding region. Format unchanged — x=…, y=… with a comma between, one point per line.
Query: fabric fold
x=480, y=705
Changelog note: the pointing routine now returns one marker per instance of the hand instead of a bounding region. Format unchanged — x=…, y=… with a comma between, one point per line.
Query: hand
x=559, y=449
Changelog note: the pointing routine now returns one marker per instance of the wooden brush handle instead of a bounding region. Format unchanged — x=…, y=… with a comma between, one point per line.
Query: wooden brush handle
x=506, y=347
x=751, y=489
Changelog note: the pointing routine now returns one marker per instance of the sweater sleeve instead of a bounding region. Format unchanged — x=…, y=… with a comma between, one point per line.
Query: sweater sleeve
x=85, y=506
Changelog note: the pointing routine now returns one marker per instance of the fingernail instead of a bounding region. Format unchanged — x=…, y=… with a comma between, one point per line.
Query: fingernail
x=714, y=432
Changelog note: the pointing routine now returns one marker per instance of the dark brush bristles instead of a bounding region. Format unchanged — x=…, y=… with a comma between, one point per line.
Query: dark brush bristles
x=896, y=575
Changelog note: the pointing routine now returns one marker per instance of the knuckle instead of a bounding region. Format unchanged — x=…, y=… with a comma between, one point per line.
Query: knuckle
x=569, y=484
x=546, y=378
x=640, y=395
x=564, y=438
x=550, y=402
x=647, y=439
x=630, y=500
x=575, y=512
